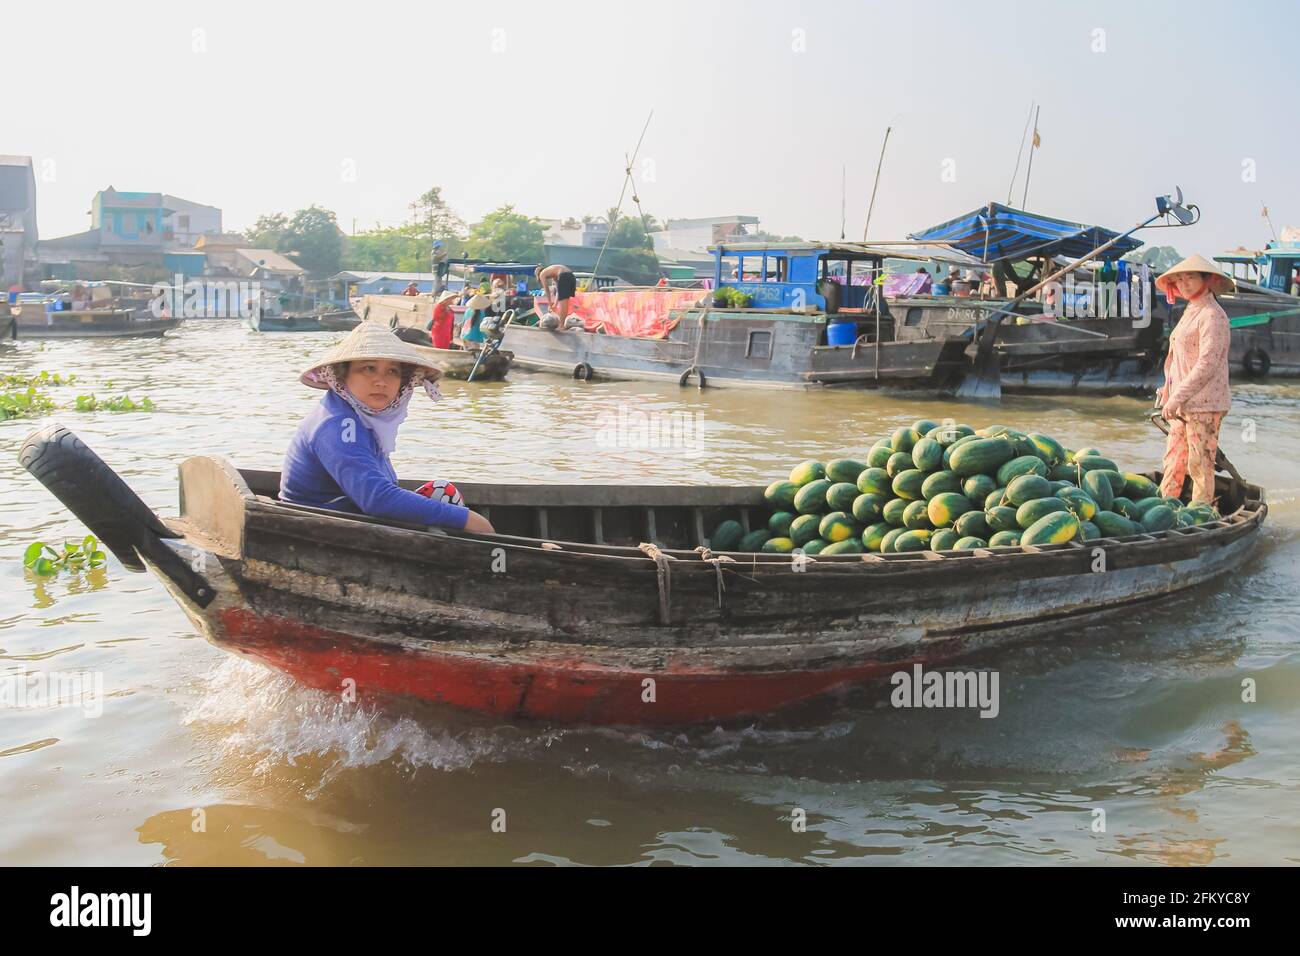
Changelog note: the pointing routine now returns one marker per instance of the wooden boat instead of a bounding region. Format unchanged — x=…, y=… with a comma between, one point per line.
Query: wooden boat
x=344, y=320
x=458, y=363
x=599, y=603
x=34, y=322
x=1264, y=316
x=284, y=322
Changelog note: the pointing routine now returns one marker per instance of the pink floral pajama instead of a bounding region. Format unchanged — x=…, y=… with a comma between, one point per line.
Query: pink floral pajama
x=1190, y=450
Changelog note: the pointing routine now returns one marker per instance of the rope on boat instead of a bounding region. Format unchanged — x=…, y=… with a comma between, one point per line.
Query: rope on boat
x=665, y=578
x=716, y=560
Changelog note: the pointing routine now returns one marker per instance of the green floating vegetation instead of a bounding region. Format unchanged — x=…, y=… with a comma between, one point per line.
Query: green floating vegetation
x=117, y=403
x=24, y=403
x=43, y=561
x=42, y=380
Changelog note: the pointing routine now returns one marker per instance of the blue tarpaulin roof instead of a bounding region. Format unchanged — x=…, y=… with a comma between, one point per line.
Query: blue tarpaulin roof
x=996, y=232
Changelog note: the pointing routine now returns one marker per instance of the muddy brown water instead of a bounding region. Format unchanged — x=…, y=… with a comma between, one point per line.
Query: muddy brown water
x=196, y=757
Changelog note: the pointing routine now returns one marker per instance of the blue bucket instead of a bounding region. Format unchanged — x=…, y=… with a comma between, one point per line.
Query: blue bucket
x=841, y=333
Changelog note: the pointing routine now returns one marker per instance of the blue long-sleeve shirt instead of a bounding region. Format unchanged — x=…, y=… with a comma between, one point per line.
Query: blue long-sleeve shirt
x=334, y=462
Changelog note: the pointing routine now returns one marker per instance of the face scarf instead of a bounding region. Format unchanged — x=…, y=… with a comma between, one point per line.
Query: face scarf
x=385, y=422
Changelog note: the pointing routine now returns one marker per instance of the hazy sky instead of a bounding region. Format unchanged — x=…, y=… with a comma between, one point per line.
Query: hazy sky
x=271, y=106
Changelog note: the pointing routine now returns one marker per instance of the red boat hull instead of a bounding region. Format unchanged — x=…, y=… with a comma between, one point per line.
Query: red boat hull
x=571, y=691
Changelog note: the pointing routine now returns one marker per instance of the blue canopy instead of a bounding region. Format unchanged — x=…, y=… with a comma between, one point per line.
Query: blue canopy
x=996, y=232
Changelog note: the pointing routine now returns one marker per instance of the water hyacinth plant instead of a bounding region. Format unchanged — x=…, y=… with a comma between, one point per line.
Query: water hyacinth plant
x=43, y=561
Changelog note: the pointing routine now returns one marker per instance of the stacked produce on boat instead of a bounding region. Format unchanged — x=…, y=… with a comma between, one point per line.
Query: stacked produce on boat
x=951, y=487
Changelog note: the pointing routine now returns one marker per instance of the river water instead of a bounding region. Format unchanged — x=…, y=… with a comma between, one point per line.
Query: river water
x=1122, y=744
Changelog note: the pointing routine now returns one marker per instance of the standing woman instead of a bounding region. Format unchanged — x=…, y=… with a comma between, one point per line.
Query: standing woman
x=1195, y=396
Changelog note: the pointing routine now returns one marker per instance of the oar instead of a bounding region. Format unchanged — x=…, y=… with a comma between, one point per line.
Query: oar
x=1221, y=462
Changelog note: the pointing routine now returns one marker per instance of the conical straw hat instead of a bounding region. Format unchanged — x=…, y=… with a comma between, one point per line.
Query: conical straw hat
x=370, y=340
x=1219, y=282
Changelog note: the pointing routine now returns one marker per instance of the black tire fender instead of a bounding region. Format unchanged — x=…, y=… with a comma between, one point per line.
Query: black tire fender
x=1256, y=363
x=582, y=372
x=92, y=491
x=685, y=378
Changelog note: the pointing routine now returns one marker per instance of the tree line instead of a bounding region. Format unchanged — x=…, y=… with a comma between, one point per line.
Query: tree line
x=312, y=238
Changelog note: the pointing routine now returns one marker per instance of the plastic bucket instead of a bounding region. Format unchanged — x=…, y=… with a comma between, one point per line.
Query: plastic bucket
x=841, y=333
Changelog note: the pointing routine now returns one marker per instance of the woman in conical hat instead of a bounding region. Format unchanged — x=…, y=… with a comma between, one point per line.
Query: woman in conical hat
x=1195, y=396
x=339, y=457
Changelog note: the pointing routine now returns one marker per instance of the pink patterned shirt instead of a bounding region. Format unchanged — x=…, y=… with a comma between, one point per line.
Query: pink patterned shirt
x=1196, y=369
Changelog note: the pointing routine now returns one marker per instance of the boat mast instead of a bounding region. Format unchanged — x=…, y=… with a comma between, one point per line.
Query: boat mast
x=880, y=162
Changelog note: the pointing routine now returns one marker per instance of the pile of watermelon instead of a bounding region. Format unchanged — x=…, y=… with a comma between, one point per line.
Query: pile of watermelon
x=952, y=488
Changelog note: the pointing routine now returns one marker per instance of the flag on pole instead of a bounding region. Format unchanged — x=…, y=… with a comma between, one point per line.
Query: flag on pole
x=1264, y=212
x=1037, y=140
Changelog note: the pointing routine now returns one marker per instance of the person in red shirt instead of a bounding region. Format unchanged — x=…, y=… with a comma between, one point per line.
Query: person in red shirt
x=412, y=289
x=444, y=321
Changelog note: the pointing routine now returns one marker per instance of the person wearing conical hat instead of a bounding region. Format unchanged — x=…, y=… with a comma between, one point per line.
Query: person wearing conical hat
x=1195, y=396
x=339, y=457
x=444, y=320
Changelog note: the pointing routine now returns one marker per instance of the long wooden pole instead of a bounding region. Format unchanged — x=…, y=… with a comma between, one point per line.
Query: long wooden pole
x=1020, y=152
x=880, y=162
x=1030, y=169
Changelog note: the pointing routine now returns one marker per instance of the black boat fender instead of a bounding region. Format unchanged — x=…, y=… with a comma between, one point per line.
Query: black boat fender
x=105, y=504
x=684, y=379
x=1256, y=363
x=582, y=372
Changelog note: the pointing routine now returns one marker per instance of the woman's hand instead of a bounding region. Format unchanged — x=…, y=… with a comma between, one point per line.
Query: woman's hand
x=478, y=524
x=1173, y=412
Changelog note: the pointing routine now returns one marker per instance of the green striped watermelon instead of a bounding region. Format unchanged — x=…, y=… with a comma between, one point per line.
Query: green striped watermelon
x=844, y=469
x=1001, y=518
x=778, y=546
x=944, y=539
x=1079, y=502
x=927, y=454
x=726, y=536
x=907, y=484
x=811, y=498
x=893, y=511
x=943, y=509
x=938, y=483
x=1027, y=488
x=879, y=453
x=1047, y=448
x=1138, y=486
x=807, y=471
x=970, y=544
x=875, y=481
x=947, y=434
x=981, y=456
x=1159, y=518
x=915, y=516
x=1031, y=512
x=1005, y=539
x=849, y=546
x=815, y=546
x=837, y=526
x=917, y=540
x=1024, y=465
x=779, y=495
x=754, y=540
x=841, y=495
x=866, y=508
x=1099, y=489
x=899, y=461
x=804, y=528
x=1057, y=528
x=887, y=542
x=1113, y=525
x=779, y=524
x=973, y=524
x=902, y=440
x=874, y=534
x=978, y=487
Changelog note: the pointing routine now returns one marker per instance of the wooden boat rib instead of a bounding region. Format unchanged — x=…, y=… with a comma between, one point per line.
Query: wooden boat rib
x=599, y=603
